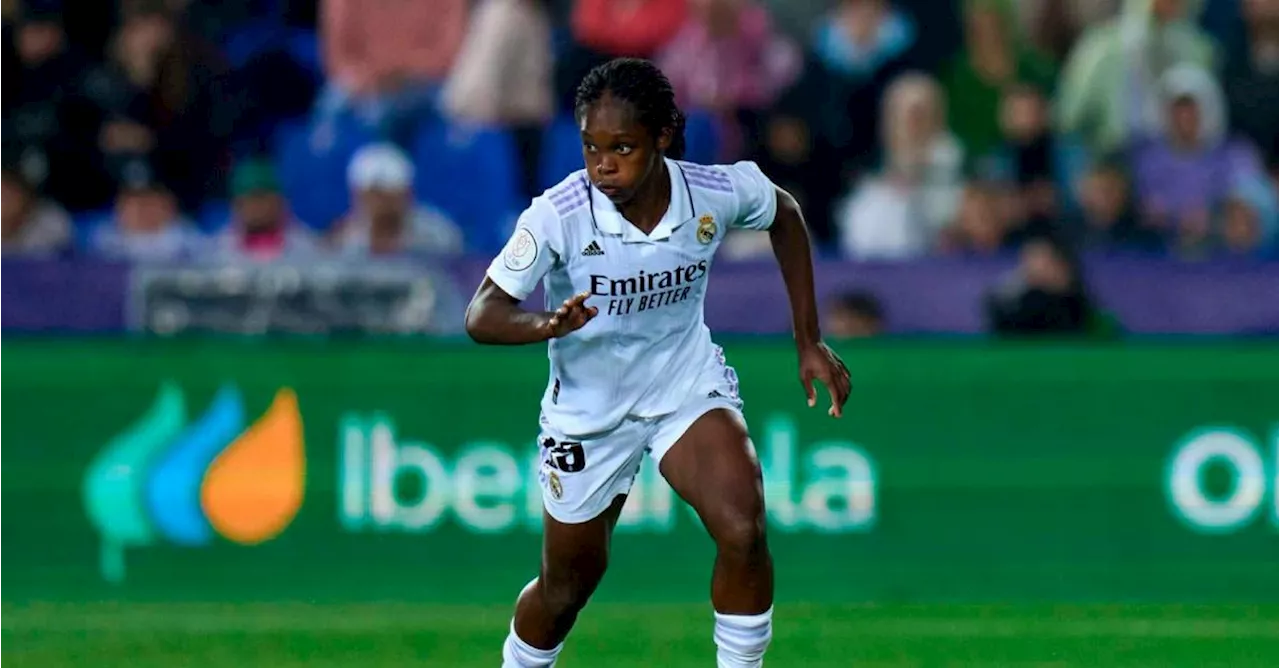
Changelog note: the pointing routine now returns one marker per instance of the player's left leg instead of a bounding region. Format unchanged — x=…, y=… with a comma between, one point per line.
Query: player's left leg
x=713, y=467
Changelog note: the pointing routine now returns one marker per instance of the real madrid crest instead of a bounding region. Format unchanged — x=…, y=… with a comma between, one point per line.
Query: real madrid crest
x=557, y=490
x=706, y=228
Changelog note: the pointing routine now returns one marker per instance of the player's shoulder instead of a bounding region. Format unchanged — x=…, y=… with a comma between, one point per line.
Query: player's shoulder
x=564, y=199
x=738, y=179
x=549, y=215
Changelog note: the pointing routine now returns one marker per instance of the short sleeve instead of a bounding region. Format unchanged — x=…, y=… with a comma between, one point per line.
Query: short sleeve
x=530, y=253
x=757, y=196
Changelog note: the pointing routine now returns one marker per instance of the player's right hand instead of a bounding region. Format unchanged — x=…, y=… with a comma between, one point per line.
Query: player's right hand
x=572, y=316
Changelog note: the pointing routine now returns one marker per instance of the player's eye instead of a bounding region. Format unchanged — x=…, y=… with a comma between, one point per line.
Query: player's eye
x=589, y=148
x=624, y=149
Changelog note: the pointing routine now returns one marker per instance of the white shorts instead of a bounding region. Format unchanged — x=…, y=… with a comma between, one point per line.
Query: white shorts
x=581, y=477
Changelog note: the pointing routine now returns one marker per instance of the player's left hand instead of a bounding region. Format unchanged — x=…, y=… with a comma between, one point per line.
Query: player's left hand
x=820, y=362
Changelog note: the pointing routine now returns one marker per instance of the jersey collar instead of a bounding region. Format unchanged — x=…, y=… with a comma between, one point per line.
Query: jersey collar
x=679, y=211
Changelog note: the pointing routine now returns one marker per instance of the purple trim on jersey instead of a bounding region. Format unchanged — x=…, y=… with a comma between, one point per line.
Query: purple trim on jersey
x=569, y=197
x=571, y=203
x=703, y=182
x=576, y=185
x=710, y=173
x=713, y=174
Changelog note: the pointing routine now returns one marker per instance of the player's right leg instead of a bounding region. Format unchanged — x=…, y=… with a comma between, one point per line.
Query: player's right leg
x=584, y=485
x=574, y=559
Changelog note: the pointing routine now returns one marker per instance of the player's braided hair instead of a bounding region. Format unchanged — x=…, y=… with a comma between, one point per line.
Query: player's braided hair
x=645, y=87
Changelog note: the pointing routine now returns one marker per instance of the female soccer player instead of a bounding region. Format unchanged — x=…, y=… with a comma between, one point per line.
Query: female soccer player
x=623, y=249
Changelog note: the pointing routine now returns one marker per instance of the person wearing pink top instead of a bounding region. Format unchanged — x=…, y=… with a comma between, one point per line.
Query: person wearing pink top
x=385, y=58
x=727, y=59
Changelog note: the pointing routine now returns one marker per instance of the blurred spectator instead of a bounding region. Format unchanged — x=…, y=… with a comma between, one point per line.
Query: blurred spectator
x=1024, y=160
x=261, y=226
x=860, y=37
x=995, y=57
x=898, y=213
x=796, y=18
x=1106, y=218
x=146, y=225
x=627, y=27
x=604, y=29
x=385, y=220
x=384, y=57
x=1052, y=26
x=727, y=59
x=857, y=51
x=44, y=116
x=1114, y=70
x=980, y=223
x=803, y=164
x=854, y=315
x=861, y=47
x=1250, y=76
x=1045, y=295
x=503, y=75
x=32, y=226
x=1185, y=173
x=1241, y=228
x=825, y=129
x=160, y=94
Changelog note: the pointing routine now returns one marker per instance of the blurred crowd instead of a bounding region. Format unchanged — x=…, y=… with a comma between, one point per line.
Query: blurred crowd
x=149, y=129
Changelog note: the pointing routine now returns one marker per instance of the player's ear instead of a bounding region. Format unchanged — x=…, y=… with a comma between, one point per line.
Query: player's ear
x=664, y=139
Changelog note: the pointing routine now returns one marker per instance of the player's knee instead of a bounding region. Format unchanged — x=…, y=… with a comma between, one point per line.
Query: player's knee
x=742, y=535
x=741, y=530
x=564, y=594
x=564, y=600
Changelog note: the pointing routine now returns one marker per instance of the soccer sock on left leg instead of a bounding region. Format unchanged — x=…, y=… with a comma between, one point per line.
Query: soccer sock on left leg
x=517, y=653
x=742, y=639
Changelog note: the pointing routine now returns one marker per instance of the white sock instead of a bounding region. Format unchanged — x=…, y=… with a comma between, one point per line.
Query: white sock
x=517, y=653
x=742, y=639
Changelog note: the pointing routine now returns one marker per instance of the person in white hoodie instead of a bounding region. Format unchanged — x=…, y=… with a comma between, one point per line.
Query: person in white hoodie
x=898, y=212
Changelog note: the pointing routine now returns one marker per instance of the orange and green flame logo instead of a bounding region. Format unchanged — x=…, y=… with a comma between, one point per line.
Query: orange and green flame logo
x=164, y=478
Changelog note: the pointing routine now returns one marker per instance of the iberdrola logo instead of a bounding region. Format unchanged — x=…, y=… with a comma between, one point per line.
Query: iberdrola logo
x=164, y=478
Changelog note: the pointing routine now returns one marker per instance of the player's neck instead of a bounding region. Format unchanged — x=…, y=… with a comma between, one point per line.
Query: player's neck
x=650, y=204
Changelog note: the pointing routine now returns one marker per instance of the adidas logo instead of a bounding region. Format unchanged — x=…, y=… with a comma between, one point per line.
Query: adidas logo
x=593, y=248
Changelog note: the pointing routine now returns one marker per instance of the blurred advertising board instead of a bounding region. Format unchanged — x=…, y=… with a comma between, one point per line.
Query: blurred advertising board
x=404, y=470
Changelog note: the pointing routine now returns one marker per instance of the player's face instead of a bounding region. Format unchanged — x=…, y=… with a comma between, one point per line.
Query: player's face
x=619, y=152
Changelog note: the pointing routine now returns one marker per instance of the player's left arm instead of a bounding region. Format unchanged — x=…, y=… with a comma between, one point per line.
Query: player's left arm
x=789, y=236
x=764, y=206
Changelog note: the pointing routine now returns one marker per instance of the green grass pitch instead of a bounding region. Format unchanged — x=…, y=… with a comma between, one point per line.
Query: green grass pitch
x=192, y=635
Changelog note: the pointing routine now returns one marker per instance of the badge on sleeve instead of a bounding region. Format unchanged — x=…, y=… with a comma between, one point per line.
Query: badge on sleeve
x=706, y=228
x=521, y=250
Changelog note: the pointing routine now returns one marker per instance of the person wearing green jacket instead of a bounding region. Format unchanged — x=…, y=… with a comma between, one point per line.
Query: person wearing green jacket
x=1111, y=75
x=995, y=57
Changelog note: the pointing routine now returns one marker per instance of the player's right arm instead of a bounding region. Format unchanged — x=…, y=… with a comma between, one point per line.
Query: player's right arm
x=494, y=315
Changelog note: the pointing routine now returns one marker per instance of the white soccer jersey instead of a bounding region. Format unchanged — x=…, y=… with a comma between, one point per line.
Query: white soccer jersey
x=648, y=349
